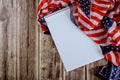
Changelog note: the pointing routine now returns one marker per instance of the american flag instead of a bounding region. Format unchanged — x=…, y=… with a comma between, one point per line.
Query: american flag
x=96, y=18
x=114, y=73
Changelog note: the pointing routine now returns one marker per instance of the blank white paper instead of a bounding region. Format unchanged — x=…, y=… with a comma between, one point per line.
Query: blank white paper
x=74, y=47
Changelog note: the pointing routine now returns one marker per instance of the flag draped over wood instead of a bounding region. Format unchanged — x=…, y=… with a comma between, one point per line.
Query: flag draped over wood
x=98, y=19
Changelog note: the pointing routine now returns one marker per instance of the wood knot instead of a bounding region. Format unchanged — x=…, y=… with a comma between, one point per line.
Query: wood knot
x=4, y=14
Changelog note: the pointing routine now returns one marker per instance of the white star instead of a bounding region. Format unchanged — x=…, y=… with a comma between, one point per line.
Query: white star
x=106, y=20
x=107, y=23
x=117, y=48
x=107, y=47
x=112, y=47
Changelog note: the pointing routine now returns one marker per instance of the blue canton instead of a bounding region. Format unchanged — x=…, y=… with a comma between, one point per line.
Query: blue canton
x=85, y=6
x=106, y=49
x=114, y=73
x=107, y=22
x=109, y=72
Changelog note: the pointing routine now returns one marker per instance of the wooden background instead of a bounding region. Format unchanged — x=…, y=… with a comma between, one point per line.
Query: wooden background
x=26, y=53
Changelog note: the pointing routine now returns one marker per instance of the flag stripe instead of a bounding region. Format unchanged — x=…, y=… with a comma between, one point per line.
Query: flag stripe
x=90, y=23
x=117, y=58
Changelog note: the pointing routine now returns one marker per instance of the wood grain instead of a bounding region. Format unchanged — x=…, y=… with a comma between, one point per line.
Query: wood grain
x=91, y=69
x=7, y=40
x=28, y=54
x=27, y=57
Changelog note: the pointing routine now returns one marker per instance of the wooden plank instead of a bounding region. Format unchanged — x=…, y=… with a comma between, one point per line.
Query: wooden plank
x=27, y=52
x=77, y=74
x=22, y=40
x=48, y=59
x=91, y=69
x=3, y=46
x=33, y=41
x=7, y=40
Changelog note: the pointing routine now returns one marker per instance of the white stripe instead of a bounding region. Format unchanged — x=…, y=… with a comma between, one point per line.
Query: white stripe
x=94, y=21
x=113, y=57
x=116, y=35
x=45, y=5
x=55, y=2
x=114, y=12
x=118, y=10
x=81, y=12
x=94, y=31
x=102, y=5
x=75, y=14
x=111, y=14
x=84, y=23
x=45, y=11
x=118, y=43
x=93, y=13
x=63, y=3
x=105, y=0
x=107, y=43
x=97, y=15
x=104, y=44
x=99, y=38
x=40, y=2
x=112, y=28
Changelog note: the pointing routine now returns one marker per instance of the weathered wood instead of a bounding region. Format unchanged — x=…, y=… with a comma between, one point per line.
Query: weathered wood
x=33, y=41
x=28, y=54
x=7, y=40
x=22, y=41
x=91, y=69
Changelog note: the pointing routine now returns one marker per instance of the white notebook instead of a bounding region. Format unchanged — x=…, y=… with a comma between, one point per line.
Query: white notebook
x=74, y=47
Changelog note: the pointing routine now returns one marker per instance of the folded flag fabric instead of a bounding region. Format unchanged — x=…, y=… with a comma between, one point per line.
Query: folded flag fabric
x=85, y=6
x=98, y=19
x=109, y=72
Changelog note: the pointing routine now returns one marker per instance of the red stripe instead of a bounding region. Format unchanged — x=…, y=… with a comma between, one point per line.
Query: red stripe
x=98, y=11
x=95, y=18
x=99, y=27
x=41, y=4
x=99, y=7
x=83, y=27
x=44, y=13
x=86, y=21
x=43, y=28
x=101, y=41
x=117, y=57
x=97, y=34
x=114, y=31
x=116, y=6
x=103, y=2
x=66, y=1
x=96, y=41
x=108, y=57
x=117, y=39
x=118, y=19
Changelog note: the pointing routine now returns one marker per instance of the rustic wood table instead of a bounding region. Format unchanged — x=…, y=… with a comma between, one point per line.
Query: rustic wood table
x=28, y=54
